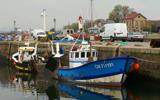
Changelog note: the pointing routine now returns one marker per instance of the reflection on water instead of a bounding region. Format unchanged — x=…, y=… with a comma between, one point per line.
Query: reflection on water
x=87, y=92
x=27, y=86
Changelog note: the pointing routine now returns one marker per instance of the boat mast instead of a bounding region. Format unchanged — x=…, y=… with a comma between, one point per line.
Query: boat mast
x=91, y=14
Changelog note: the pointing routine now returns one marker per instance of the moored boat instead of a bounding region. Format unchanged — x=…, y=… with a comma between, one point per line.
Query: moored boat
x=85, y=68
x=27, y=60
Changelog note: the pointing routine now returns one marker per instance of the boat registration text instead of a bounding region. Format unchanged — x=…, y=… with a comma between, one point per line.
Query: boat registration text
x=104, y=65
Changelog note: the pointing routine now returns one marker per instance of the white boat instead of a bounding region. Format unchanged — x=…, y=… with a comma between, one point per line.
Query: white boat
x=27, y=59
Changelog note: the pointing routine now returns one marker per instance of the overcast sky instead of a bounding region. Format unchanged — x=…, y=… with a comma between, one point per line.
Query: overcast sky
x=26, y=13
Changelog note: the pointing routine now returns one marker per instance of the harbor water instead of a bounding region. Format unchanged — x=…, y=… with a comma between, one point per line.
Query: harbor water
x=30, y=86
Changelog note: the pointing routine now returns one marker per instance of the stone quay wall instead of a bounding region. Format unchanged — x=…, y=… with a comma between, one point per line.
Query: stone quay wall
x=147, y=58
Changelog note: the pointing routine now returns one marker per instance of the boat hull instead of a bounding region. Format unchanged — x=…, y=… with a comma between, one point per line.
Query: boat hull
x=25, y=67
x=111, y=71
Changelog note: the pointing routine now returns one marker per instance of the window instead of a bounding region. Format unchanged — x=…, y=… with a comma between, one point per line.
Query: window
x=40, y=33
x=76, y=33
x=139, y=16
x=67, y=31
x=136, y=23
x=130, y=23
x=93, y=53
x=72, y=55
x=77, y=55
x=141, y=22
x=88, y=54
x=71, y=31
x=31, y=52
x=82, y=54
x=103, y=29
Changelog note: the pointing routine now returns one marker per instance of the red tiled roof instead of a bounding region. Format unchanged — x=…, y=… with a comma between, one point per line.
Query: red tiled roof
x=131, y=16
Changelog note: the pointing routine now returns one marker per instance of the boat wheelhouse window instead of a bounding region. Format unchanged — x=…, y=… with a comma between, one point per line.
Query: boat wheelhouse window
x=82, y=54
x=77, y=55
x=93, y=54
x=71, y=31
x=40, y=33
x=88, y=54
x=72, y=55
x=31, y=52
x=67, y=31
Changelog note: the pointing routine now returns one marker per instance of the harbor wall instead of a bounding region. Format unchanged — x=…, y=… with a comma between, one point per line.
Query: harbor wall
x=147, y=58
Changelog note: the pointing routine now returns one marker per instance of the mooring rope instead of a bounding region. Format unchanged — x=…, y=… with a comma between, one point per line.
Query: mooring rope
x=140, y=58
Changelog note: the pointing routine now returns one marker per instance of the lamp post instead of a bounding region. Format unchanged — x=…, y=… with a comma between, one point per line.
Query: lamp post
x=14, y=25
x=43, y=14
x=54, y=24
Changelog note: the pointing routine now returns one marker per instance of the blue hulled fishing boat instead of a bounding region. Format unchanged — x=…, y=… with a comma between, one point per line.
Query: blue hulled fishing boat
x=85, y=68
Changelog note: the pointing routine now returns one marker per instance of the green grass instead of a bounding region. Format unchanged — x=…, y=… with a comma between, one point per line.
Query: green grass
x=152, y=35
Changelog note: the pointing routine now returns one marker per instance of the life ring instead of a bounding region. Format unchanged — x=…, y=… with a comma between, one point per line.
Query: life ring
x=21, y=57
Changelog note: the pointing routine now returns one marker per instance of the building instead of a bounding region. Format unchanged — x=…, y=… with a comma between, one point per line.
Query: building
x=134, y=22
x=93, y=29
x=98, y=24
x=102, y=22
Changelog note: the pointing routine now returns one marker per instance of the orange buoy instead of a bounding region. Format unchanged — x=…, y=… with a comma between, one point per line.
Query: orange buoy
x=10, y=79
x=15, y=76
x=14, y=63
x=10, y=58
x=130, y=95
x=136, y=66
x=136, y=99
x=131, y=70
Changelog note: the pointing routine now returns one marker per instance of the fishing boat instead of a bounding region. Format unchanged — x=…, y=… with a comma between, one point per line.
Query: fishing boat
x=85, y=68
x=27, y=59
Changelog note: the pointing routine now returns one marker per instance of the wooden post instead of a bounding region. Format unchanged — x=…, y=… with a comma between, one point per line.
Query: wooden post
x=90, y=59
x=37, y=60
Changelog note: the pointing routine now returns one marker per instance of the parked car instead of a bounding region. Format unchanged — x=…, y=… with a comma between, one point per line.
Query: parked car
x=144, y=32
x=64, y=32
x=78, y=34
x=135, y=36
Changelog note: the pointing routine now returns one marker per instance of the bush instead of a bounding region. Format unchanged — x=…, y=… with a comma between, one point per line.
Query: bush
x=146, y=28
x=86, y=31
x=154, y=27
